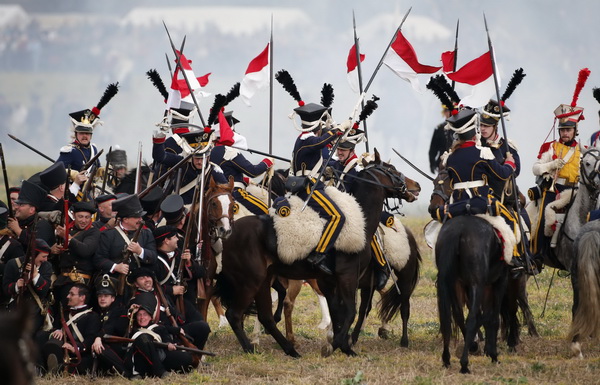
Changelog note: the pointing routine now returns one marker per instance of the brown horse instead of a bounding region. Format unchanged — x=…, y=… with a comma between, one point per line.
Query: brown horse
x=250, y=261
x=217, y=225
x=18, y=350
x=516, y=296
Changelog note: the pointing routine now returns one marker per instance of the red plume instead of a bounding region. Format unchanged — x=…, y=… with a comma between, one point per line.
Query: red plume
x=583, y=75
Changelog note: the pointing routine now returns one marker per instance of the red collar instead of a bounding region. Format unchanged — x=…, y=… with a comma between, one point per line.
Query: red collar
x=468, y=143
x=350, y=159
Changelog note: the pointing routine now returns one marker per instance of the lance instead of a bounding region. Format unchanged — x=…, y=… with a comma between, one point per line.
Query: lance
x=385, y=52
x=413, y=166
x=250, y=150
x=187, y=81
x=270, y=108
x=455, y=52
x=31, y=148
x=359, y=70
x=167, y=174
x=138, y=174
x=169, y=65
x=505, y=146
x=6, y=186
x=107, y=169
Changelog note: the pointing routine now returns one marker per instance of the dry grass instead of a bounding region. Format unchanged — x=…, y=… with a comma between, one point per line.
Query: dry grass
x=544, y=360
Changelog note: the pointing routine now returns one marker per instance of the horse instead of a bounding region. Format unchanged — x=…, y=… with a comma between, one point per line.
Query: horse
x=468, y=256
x=577, y=250
x=18, y=350
x=516, y=297
x=250, y=261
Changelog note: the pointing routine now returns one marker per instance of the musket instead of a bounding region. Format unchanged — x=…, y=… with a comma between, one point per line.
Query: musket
x=505, y=146
x=187, y=82
x=127, y=254
x=68, y=338
x=106, y=169
x=359, y=70
x=6, y=186
x=66, y=218
x=385, y=52
x=90, y=170
x=138, y=173
x=270, y=106
x=413, y=166
x=31, y=148
x=179, y=303
x=455, y=51
x=27, y=275
x=201, y=293
x=115, y=339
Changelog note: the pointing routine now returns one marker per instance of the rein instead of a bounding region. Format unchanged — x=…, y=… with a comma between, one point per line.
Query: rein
x=212, y=221
x=398, y=181
x=439, y=189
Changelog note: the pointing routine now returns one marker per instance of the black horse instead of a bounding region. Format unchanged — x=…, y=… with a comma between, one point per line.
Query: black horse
x=471, y=272
x=18, y=350
x=250, y=261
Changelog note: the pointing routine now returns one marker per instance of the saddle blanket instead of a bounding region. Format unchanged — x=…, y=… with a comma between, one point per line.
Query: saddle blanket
x=394, y=241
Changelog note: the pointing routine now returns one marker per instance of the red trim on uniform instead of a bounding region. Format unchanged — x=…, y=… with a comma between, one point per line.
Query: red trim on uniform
x=158, y=140
x=350, y=158
x=468, y=143
x=511, y=164
x=545, y=147
x=181, y=130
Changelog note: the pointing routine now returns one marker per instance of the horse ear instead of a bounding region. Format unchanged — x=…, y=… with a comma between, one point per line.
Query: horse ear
x=212, y=183
x=230, y=182
x=377, y=157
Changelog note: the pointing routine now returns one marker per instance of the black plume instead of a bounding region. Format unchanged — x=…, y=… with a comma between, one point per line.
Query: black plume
x=327, y=95
x=110, y=91
x=218, y=104
x=287, y=82
x=515, y=80
x=596, y=93
x=447, y=88
x=158, y=83
x=437, y=90
x=233, y=93
x=370, y=106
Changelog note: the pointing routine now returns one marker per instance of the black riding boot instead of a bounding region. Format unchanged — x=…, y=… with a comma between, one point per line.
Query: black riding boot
x=382, y=274
x=319, y=261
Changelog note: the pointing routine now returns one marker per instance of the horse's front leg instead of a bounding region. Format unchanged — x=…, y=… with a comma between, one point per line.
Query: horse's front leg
x=346, y=291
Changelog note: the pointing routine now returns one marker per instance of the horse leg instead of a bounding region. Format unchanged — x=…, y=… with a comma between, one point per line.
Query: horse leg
x=235, y=316
x=325, y=317
x=510, y=324
x=366, y=297
x=220, y=312
x=472, y=325
x=328, y=290
x=280, y=289
x=264, y=307
x=444, y=294
x=294, y=287
x=491, y=316
x=347, y=296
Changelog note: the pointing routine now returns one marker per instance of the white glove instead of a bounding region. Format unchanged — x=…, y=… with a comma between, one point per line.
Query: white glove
x=158, y=134
x=557, y=164
x=345, y=125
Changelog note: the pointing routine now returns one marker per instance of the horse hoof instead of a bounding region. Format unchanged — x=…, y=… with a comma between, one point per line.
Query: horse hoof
x=576, y=349
x=350, y=353
x=293, y=353
x=383, y=333
x=465, y=370
x=326, y=350
x=330, y=336
x=404, y=342
x=474, y=348
x=223, y=321
x=323, y=325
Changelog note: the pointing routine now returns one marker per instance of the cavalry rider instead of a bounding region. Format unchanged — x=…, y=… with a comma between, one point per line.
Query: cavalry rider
x=441, y=140
x=76, y=154
x=192, y=141
x=344, y=168
x=595, y=139
x=307, y=161
x=233, y=163
x=557, y=169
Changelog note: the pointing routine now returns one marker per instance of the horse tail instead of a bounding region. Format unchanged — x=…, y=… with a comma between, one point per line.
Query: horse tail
x=586, y=319
x=449, y=305
x=224, y=289
x=407, y=281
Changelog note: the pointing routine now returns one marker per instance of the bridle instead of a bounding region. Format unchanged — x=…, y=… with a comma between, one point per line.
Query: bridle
x=589, y=179
x=213, y=221
x=439, y=183
x=397, y=179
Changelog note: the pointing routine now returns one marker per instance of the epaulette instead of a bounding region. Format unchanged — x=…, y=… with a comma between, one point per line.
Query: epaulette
x=545, y=147
x=230, y=153
x=486, y=153
x=66, y=149
x=513, y=145
x=444, y=158
x=217, y=168
x=306, y=135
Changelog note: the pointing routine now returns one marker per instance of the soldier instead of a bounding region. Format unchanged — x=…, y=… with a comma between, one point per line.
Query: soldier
x=70, y=343
x=113, y=322
x=76, y=154
x=441, y=141
x=115, y=243
x=116, y=160
x=307, y=161
x=31, y=282
x=27, y=205
x=10, y=248
x=191, y=170
x=76, y=250
x=54, y=180
x=14, y=195
x=144, y=358
x=151, y=205
x=233, y=163
x=595, y=138
x=165, y=312
x=105, y=216
x=344, y=168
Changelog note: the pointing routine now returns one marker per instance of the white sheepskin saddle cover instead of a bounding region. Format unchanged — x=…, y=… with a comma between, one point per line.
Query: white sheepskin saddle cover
x=299, y=233
x=395, y=244
x=508, y=235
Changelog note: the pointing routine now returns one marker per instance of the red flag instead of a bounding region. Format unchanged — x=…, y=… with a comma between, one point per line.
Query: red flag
x=225, y=131
x=477, y=73
x=352, y=65
x=257, y=76
x=179, y=88
x=448, y=61
x=402, y=59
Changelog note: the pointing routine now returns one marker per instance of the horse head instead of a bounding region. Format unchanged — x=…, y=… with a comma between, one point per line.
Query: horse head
x=396, y=183
x=218, y=207
x=589, y=170
x=441, y=190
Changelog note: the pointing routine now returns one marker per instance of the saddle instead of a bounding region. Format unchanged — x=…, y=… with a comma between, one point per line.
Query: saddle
x=298, y=233
x=394, y=242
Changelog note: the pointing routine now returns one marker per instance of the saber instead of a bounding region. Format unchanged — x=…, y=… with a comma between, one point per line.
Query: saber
x=360, y=82
x=528, y=258
x=187, y=82
x=250, y=150
x=31, y=148
x=385, y=52
x=455, y=51
x=413, y=166
x=6, y=187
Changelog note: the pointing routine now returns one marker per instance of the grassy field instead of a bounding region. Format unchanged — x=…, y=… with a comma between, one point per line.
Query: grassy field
x=544, y=360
